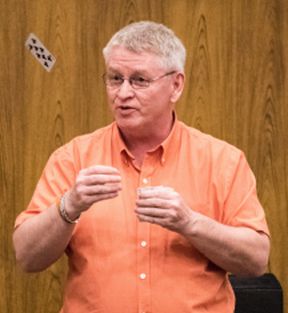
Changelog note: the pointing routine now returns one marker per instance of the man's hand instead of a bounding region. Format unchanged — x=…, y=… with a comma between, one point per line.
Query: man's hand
x=239, y=250
x=92, y=184
x=163, y=206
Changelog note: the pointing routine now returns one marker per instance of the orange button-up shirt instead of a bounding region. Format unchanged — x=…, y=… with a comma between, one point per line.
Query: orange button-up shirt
x=120, y=265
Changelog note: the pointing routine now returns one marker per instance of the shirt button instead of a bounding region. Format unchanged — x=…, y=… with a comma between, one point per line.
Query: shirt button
x=145, y=181
x=142, y=276
x=143, y=243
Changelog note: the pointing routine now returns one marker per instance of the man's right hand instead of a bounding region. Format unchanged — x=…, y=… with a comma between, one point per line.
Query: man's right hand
x=92, y=184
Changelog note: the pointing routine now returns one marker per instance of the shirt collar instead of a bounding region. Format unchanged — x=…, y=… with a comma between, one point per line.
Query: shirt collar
x=166, y=148
x=171, y=143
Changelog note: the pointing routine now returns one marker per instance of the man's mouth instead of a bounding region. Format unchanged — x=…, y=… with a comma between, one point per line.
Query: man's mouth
x=125, y=108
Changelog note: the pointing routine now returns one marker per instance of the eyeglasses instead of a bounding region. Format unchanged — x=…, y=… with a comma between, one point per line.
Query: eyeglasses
x=136, y=81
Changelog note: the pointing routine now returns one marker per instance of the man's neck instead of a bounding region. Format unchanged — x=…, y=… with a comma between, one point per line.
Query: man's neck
x=140, y=143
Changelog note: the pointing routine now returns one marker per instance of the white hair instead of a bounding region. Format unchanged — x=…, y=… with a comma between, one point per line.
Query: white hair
x=147, y=36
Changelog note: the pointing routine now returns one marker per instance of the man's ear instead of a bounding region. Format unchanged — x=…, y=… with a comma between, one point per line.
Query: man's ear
x=178, y=86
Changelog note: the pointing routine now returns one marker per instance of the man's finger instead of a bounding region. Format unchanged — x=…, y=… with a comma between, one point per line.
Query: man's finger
x=99, y=179
x=152, y=212
x=154, y=202
x=100, y=169
x=102, y=189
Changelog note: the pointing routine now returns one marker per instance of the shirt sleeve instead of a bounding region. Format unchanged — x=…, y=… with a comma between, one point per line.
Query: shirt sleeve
x=57, y=177
x=242, y=206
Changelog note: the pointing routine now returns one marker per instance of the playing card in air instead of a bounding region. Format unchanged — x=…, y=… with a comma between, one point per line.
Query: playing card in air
x=40, y=52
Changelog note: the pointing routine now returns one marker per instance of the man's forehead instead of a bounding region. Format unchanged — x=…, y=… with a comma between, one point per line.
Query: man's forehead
x=122, y=58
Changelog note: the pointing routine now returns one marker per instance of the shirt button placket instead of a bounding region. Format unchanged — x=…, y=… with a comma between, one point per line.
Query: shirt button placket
x=143, y=258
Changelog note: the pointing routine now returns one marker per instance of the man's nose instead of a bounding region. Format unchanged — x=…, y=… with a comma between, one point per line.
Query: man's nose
x=125, y=90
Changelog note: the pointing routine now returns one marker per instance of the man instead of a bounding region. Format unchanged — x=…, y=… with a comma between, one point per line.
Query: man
x=151, y=213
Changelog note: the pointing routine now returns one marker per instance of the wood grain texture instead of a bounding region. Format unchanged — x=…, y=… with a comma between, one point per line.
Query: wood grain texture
x=236, y=89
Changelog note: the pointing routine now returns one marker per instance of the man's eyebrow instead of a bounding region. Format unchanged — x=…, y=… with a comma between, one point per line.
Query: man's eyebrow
x=112, y=70
x=141, y=72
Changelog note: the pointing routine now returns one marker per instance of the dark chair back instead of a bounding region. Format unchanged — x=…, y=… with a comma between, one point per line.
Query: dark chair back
x=257, y=295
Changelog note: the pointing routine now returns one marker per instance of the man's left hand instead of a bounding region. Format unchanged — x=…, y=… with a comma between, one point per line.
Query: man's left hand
x=163, y=206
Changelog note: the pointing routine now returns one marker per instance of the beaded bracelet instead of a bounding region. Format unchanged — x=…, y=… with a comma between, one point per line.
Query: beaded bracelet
x=64, y=214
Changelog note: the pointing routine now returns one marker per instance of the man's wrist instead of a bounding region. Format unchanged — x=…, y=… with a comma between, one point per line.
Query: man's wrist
x=64, y=214
x=190, y=228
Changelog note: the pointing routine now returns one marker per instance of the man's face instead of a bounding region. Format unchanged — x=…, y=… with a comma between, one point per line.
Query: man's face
x=140, y=109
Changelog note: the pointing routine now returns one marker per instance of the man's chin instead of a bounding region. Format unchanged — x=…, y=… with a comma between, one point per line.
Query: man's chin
x=129, y=125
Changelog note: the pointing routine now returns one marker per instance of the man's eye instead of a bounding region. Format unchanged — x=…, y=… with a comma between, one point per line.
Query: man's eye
x=115, y=78
x=139, y=79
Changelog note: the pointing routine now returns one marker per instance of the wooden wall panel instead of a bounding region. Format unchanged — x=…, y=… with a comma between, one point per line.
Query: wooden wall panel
x=11, y=148
x=236, y=89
